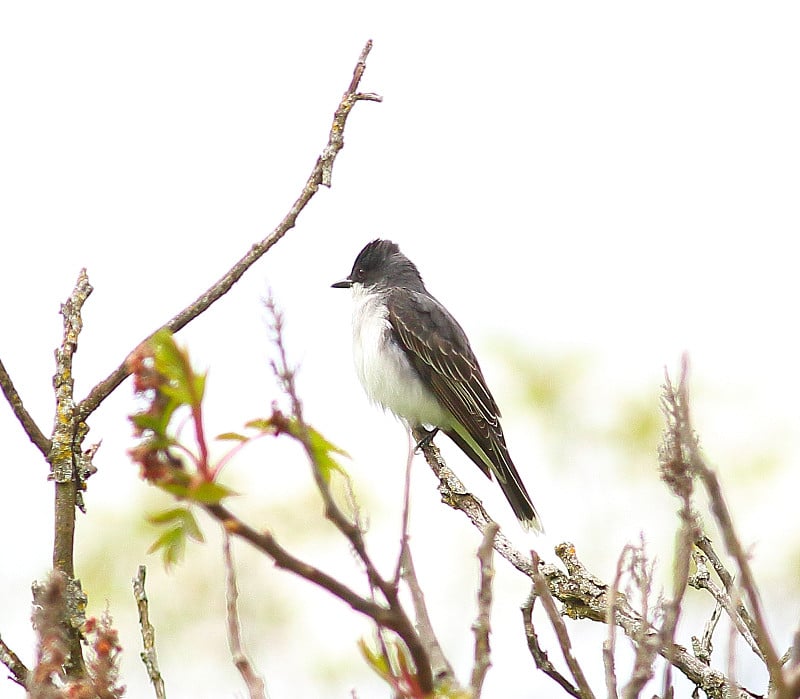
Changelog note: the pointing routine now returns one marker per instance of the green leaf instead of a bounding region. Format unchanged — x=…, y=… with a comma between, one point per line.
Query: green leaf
x=233, y=436
x=149, y=421
x=199, y=386
x=261, y=424
x=172, y=544
x=322, y=450
x=192, y=528
x=177, y=392
x=403, y=661
x=210, y=493
x=375, y=659
x=182, y=525
x=183, y=385
x=321, y=443
x=179, y=490
x=166, y=516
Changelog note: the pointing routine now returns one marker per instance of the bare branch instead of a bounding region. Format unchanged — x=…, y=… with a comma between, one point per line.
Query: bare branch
x=678, y=401
x=266, y=543
x=482, y=625
x=320, y=175
x=609, y=645
x=406, y=572
x=28, y=424
x=727, y=580
x=406, y=509
x=792, y=658
x=455, y=494
x=148, y=655
x=68, y=435
x=583, y=594
x=701, y=580
x=677, y=474
x=543, y=592
x=439, y=664
x=647, y=641
x=703, y=647
x=336, y=141
x=540, y=656
x=19, y=673
x=391, y=617
x=252, y=680
x=349, y=528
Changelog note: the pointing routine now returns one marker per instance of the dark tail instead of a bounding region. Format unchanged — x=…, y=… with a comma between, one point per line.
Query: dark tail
x=509, y=480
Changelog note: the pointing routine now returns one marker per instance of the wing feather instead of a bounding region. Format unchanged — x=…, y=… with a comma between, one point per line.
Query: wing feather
x=439, y=350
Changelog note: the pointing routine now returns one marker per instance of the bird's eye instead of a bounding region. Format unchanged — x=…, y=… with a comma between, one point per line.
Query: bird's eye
x=359, y=273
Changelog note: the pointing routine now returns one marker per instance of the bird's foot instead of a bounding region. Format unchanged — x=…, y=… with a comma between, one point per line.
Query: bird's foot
x=426, y=440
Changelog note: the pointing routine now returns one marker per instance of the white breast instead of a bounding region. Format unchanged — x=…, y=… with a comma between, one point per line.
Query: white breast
x=383, y=369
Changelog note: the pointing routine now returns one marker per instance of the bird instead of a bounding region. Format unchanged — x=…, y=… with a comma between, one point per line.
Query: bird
x=414, y=359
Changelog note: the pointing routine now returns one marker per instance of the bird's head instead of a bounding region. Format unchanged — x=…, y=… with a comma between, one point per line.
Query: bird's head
x=381, y=265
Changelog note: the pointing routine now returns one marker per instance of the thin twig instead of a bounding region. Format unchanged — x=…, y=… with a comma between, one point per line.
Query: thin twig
x=482, y=625
x=701, y=580
x=392, y=617
x=609, y=645
x=703, y=647
x=543, y=592
x=722, y=514
x=28, y=423
x=676, y=472
x=320, y=175
x=730, y=672
x=792, y=660
x=583, y=594
x=705, y=545
x=349, y=528
x=647, y=640
x=252, y=680
x=148, y=655
x=538, y=654
x=350, y=97
x=266, y=543
x=727, y=580
x=19, y=673
x=406, y=508
x=440, y=666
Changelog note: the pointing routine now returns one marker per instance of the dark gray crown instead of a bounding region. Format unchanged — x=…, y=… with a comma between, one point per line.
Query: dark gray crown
x=381, y=263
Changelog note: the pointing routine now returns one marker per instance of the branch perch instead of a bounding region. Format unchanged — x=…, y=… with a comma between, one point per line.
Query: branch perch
x=583, y=594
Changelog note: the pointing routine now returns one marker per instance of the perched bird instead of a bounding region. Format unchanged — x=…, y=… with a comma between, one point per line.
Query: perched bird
x=413, y=358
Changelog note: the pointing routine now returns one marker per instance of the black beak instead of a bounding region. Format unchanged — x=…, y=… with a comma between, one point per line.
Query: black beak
x=344, y=284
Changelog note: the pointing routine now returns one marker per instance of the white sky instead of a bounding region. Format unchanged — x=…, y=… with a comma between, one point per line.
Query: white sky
x=615, y=179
